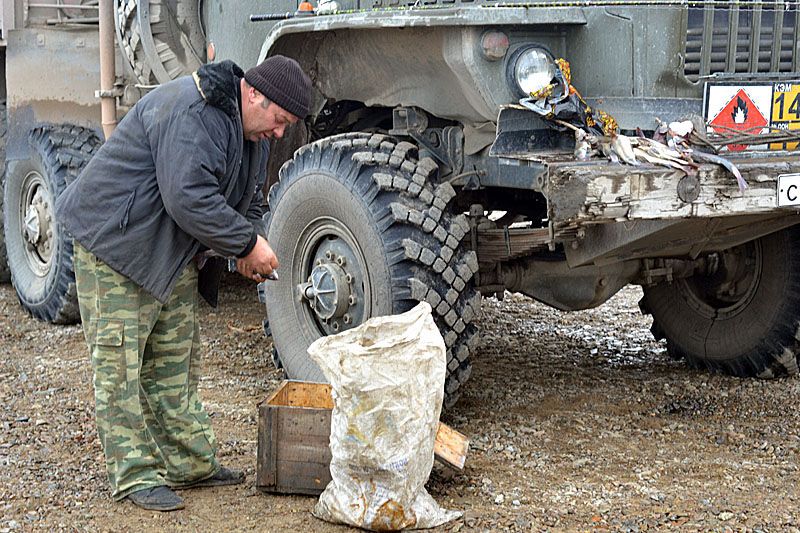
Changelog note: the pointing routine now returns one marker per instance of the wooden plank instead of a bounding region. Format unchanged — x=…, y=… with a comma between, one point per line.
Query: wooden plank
x=302, y=477
x=312, y=450
x=303, y=439
x=272, y=436
x=266, y=469
x=278, y=397
x=451, y=446
x=322, y=436
x=294, y=490
x=303, y=422
x=301, y=468
x=599, y=192
x=262, y=474
x=307, y=394
x=281, y=399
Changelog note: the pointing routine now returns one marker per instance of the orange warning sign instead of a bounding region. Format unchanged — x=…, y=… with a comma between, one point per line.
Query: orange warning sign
x=739, y=114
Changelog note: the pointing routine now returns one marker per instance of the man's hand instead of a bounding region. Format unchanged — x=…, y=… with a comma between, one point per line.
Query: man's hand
x=259, y=263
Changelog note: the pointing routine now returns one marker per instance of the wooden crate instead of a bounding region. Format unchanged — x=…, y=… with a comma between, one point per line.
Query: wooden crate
x=294, y=427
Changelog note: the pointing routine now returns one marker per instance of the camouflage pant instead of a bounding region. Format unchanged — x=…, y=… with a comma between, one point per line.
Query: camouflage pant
x=152, y=425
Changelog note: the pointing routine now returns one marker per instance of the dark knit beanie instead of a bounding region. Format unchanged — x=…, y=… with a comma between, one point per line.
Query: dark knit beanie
x=282, y=81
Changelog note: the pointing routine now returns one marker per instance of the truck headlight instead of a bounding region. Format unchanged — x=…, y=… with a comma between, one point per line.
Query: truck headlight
x=530, y=68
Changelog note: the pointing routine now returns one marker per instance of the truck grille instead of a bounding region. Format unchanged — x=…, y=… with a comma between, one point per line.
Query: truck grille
x=745, y=38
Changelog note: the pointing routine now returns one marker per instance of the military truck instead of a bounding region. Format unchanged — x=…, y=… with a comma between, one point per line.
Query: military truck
x=421, y=177
x=51, y=57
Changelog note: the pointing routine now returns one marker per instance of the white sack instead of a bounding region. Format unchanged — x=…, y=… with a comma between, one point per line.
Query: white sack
x=388, y=378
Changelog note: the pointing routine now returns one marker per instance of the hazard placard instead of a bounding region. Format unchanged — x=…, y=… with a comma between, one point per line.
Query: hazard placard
x=745, y=108
x=753, y=108
x=786, y=111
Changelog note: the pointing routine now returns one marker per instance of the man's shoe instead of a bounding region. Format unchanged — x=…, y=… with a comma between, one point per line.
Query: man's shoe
x=157, y=499
x=224, y=476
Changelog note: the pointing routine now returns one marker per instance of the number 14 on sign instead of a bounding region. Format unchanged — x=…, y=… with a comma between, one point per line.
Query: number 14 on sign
x=786, y=111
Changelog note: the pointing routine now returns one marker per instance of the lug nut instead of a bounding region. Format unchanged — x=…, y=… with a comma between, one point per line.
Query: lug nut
x=328, y=255
x=346, y=319
x=335, y=326
x=340, y=261
x=351, y=300
x=348, y=278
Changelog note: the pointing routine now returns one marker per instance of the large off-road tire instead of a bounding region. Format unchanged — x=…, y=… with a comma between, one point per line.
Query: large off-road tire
x=742, y=320
x=367, y=219
x=5, y=273
x=39, y=250
x=160, y=39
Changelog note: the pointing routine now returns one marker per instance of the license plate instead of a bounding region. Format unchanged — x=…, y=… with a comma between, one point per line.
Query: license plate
x=788, y=189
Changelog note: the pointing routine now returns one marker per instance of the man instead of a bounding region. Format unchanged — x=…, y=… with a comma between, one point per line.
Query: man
x=181, y=175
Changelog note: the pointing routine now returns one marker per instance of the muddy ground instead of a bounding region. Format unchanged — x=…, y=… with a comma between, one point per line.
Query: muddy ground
x=578, y=421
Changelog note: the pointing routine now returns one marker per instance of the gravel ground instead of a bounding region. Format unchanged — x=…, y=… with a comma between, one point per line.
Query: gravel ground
x=578, y=421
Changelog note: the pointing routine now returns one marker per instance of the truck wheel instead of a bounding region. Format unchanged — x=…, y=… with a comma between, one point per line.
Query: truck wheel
x=362, y=229
x=160, y=39
x=5, y=273
x=39, y=251
x=744, y=318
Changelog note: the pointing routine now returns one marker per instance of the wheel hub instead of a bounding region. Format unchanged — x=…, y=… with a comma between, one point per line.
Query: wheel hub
x=730, y=282
x=32, y=218
x=334, y=289
x=37, y=228
x=328, y=291
x=734, y=274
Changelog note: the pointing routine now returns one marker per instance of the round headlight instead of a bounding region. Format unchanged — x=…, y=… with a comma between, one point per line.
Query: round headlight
x=533, y=69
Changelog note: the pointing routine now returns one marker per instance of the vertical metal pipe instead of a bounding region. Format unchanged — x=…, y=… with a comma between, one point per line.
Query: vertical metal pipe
x=755, y=38
x=108, y=102
x=777, y=39
x=707, y=40
x=796, y=41
x=733, y=37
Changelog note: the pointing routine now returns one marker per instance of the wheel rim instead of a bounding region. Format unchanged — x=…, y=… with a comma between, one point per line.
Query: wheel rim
x=37, y=227
x=331, y=277
x=730, y=284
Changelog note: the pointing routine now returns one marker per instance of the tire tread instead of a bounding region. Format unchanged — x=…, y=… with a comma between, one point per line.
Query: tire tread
x=422, y=240
x=63, y=150
x=776, y=351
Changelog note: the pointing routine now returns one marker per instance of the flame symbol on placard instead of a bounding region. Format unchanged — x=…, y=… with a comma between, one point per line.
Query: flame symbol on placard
x=739, y=113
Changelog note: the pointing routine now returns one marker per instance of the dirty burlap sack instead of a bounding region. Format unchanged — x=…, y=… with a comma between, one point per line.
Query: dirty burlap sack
x=387, y=377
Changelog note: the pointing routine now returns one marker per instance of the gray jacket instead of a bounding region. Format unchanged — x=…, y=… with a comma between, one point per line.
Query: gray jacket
x=175, y=178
